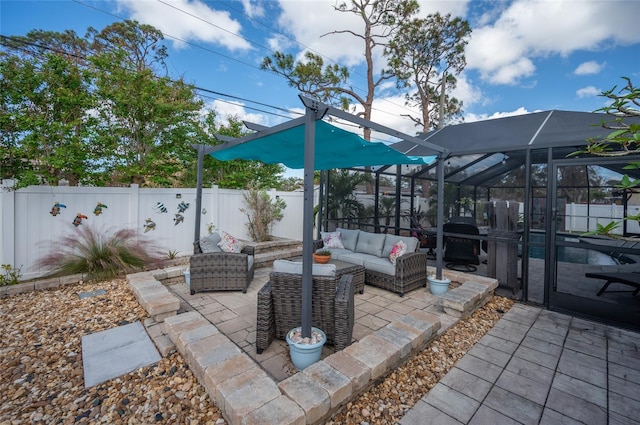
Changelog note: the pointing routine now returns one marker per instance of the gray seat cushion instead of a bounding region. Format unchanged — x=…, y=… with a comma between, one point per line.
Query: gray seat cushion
x=295, y=267
x=336, y=253
x=381, y=265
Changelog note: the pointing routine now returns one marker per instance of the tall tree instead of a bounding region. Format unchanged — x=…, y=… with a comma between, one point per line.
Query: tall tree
x=381, y=19
x=146, y=120
x=45, y=100
x=420, y=55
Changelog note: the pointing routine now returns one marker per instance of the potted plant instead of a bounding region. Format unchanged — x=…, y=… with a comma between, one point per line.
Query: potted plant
x=305, y=351
x=322, y=256
x=438, y=286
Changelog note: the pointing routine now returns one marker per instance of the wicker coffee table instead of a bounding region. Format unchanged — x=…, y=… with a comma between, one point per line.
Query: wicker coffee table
x=342, y=268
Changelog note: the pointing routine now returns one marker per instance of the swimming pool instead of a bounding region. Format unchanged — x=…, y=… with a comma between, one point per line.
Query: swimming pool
x=569, y=254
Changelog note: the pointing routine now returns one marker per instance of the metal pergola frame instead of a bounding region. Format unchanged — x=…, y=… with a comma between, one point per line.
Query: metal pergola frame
x=314, y=111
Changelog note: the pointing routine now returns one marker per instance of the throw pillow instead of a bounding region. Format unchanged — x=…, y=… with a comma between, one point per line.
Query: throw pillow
x=399, y=249
x=230, y=244
x=331, y=240
x=209, y=243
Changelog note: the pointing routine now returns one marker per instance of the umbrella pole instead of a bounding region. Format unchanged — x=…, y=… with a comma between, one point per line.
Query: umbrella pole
x=440, y=217
x=307, y=219
x=196, y=237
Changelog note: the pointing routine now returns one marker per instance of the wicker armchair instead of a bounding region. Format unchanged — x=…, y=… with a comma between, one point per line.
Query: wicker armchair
x=221, y=271
x=280, y=308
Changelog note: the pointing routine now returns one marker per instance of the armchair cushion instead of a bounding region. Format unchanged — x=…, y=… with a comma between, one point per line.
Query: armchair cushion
x=210, y=242
x=230, y=244
x=295, y=267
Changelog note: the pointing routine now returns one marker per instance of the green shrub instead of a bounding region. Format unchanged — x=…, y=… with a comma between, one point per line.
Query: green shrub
x=10, y=276
x=101, y=255
x=262, y=213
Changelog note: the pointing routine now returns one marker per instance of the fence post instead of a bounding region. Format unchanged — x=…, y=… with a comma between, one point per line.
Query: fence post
x=7, y=227
x=134, y=208
x=502, y=243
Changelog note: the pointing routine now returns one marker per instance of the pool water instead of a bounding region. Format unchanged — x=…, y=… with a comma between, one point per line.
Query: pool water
x=568, y=254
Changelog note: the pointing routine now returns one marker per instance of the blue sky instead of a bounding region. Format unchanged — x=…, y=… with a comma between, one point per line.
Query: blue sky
x=523, y=56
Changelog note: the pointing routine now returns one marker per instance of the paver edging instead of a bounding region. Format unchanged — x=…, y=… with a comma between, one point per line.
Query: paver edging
x=401, y=339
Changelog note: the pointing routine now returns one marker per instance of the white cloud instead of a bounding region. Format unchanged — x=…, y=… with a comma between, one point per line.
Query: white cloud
x=467, y=92
x=589, y=91
x=253, y=9
x=587, y=68
x=505, y=50
x=188, y=21
x=225, y=110
x=482, y=117
x=322, y=29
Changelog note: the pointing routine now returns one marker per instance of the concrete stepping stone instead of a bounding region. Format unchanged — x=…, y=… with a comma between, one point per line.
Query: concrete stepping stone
x=114, y=352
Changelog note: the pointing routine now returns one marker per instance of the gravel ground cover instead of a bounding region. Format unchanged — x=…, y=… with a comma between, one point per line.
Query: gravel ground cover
x=41, y=375
x=41, y=378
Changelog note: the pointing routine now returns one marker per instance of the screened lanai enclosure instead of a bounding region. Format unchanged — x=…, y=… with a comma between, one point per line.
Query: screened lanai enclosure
x=552, y=228
x=568, y=242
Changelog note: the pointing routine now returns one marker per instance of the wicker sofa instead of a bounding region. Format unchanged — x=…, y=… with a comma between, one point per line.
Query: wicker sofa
x=372, y=251
x=280, y=307
x=220, y=271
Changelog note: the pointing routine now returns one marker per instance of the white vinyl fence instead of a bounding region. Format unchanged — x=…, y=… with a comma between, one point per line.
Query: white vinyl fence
x=28, y=230
x=584, y=218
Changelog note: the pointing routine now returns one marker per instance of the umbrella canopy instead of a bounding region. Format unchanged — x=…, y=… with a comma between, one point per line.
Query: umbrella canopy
x=334, y=148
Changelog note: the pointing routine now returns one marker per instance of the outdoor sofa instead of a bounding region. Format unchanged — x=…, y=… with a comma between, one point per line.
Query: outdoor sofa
x=280, y=304
x=377, y=252
x=213, y=269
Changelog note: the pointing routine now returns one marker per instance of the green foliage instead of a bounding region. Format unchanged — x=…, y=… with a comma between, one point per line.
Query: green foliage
x=604, y=229
x=100, y=110
x=101, y=255
x=312, y=77
x=45, y=122
x=235, y=174
x=418, y=54
x=262, y=213
x=342, y=202
x=10, y=275
x=329, y=83
x=387, y=206
x=172, y=254
x=623, y=140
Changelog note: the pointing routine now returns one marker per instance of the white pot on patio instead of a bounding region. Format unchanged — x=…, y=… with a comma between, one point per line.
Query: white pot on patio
x=438, y=286
x=307, y=351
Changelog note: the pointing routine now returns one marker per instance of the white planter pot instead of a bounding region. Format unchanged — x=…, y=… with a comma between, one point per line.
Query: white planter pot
x=304, y=355
x=187, y=277
x=438, y=286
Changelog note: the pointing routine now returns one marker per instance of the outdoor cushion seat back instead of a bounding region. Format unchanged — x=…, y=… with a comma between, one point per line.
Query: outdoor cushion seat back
x=459, y=250
x=221, y=271
x=349, y=238
x=280, y=308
